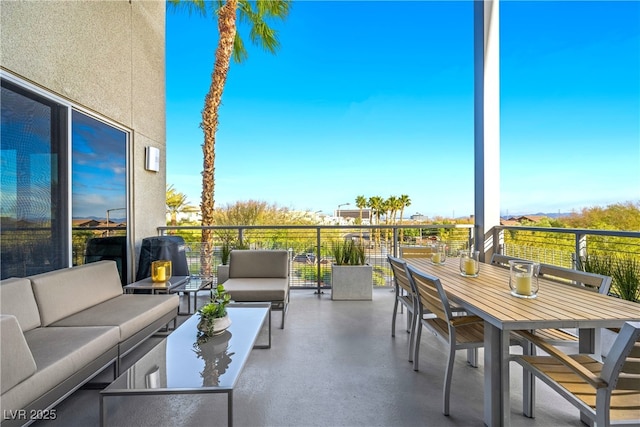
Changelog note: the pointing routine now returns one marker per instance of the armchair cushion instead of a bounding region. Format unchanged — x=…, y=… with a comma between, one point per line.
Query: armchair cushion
x=257, y=289
x=258, y=263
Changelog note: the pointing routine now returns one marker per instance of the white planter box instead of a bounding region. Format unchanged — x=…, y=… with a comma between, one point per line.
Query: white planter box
x=223, y=273
x=352, y=282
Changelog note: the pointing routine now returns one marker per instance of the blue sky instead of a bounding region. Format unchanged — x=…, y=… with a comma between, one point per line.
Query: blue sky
x=99, y=169
x=376, y=98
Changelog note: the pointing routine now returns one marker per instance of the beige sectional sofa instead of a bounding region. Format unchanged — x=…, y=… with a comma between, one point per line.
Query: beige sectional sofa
x=260, y=275
x=60, y=329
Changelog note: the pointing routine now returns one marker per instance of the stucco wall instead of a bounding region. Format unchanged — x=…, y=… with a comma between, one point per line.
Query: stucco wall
x=108, y=57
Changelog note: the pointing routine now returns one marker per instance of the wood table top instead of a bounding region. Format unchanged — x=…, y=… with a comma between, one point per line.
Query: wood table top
x=557, y=305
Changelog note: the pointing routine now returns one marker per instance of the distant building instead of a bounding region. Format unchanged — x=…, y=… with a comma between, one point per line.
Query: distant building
x=518, y=220
x=188, y=213
x=531, y=218
x=418, y=217
x=355, y=214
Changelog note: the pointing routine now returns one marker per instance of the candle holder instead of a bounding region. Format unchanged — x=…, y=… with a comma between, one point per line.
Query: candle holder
x=523, y=278
x=469, y=265
x=439, y=255
x=160, y=270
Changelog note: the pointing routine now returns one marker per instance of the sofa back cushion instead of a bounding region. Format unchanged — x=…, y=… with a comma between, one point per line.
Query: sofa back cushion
x=61, y=293
x=256, y=263
x=16, y=360
x=17, y=299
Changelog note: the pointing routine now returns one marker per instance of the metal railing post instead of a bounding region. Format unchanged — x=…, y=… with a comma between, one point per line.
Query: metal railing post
x=498, y=241
x=395, y=242
x=319, y=264
x=581, y=248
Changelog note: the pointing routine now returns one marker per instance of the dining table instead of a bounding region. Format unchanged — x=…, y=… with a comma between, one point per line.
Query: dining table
x=556, y=305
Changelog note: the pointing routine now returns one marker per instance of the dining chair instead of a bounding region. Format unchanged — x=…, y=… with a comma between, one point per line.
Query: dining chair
x=435, y=312
x=416, y=251
x=404, y=298
x=605, y=393
x=502, y=260
x=588, y=281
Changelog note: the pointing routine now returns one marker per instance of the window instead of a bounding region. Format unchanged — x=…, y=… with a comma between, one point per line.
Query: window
x=33, y=185
x=43, y=196
x=98, y=191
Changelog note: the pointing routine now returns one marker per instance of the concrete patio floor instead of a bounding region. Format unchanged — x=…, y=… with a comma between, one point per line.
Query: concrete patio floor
x=334, y=364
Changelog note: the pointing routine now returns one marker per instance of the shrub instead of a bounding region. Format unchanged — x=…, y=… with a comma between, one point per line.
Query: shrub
x=348, y=252
x=626, y=278
x=624, y=273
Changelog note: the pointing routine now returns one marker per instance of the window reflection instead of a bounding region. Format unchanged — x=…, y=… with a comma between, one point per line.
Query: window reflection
x=34, y=186
x=32, y=190
x=99, y=192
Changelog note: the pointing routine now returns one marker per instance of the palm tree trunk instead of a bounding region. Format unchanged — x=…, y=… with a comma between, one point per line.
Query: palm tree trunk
x=401, y=229
x=210, y=113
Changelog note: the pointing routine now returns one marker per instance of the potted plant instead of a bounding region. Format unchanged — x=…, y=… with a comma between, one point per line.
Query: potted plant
x=223, y=269
x=351, y=277
x=213, y=315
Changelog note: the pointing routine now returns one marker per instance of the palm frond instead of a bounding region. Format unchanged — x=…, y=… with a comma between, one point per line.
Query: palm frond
x=239, y=51
x=192, y=6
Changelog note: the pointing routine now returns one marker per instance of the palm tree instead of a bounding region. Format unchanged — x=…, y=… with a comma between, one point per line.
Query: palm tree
x=406, y=202
x=176, y=202
x=361, y=203
x=375, y=203
x=390, y=208
x=258, y=14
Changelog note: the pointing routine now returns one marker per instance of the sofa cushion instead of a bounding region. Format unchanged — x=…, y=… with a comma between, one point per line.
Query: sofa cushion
x=16, y=360
x=257, y=289
x=129, y=312
x=61, y=293
x=257, y=263
x=58, y=353
x=17, y=299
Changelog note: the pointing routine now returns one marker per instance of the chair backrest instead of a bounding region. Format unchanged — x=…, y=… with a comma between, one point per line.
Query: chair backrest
x=400, y=274
x=258, y=264
x=416, y=251
x=591, y=281
x=502, y=260
x=621, y=369
x=430, y=294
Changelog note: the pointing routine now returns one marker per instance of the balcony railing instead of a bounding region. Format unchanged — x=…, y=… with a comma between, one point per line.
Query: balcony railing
x=565, y=246
x=310, y=246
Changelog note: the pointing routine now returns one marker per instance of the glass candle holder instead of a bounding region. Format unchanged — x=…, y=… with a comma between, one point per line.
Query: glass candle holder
x=439, y=255
x=469, y=265
x=160, y=270
x=523, y=278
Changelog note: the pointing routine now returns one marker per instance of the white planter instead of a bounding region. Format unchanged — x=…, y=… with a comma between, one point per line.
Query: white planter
x=218, y=326
x=352, y=282
x=223, y=273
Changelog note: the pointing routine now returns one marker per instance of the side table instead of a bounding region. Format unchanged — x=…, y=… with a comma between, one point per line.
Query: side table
x=156, y=287
x=191, y=287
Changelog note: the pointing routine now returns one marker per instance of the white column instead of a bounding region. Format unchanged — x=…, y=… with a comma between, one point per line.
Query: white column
x=487, y=122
